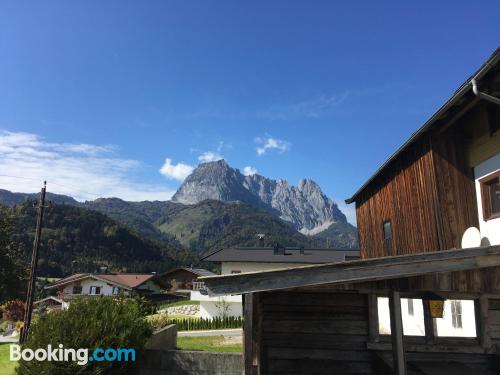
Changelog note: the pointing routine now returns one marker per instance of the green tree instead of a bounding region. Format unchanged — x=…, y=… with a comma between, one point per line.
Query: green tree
x=13, y=270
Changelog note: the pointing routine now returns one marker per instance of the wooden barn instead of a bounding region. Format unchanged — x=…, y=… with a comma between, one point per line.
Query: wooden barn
x=416, y=302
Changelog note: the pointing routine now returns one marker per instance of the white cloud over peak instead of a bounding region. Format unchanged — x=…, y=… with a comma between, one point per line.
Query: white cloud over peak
x=208, y=156
x=177, y=171
x=271, y=143
x=248, y=170
x=83, y=171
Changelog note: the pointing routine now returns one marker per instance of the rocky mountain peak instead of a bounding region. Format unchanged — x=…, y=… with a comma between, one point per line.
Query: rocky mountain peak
x=304, y=205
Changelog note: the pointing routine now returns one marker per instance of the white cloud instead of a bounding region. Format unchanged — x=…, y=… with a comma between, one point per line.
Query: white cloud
x=177, y=171
x=83, y=171
x=271, y=143
x=248, y=170
x=208, y=156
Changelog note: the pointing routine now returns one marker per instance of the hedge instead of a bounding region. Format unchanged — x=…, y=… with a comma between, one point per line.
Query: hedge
x=205, y=324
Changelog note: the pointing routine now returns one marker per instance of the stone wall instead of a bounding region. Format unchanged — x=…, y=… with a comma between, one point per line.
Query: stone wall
x=184, y=362
x=192, y=310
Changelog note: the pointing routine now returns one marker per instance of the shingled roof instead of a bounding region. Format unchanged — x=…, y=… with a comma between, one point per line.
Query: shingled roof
x=282, y=255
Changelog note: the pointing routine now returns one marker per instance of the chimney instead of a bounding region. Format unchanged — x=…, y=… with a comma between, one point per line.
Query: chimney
x=261, y=236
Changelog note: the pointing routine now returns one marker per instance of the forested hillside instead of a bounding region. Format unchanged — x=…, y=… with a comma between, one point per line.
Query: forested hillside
x=81, y=240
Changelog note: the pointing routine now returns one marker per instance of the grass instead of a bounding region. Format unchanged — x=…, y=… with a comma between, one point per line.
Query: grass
x=177, y=316
x=7, y=367
x=178, y=303
x=210, y=344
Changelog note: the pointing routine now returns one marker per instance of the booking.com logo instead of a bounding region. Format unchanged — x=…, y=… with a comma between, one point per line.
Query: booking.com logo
x=80, y=356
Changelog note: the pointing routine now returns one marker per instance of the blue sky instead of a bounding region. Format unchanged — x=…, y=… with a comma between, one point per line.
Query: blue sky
x=97, y=95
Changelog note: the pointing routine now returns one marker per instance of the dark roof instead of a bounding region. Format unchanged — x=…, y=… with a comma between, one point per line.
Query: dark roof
x=289, y=255
x=357, y=271
x=456, y=97
x=196, y=271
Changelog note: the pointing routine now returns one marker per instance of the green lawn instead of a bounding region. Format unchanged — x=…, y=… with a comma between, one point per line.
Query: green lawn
x=210, y=344
x=177, y=316
x=6, y=366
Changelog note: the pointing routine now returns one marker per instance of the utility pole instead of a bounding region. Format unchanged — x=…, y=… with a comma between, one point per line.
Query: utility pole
x=34, y=264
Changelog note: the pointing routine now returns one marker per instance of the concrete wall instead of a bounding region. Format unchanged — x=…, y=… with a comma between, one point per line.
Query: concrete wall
x=183, y=362
x=210, y=307
x=163, y=339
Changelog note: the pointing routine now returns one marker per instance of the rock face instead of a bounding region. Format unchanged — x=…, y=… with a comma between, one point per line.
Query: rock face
x=305, y=205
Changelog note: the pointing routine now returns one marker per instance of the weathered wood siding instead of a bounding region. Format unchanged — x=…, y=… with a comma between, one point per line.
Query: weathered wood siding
x=456, y=193
x=427, y=193
x=314, y=333
x=405, y=195
x=321, y=331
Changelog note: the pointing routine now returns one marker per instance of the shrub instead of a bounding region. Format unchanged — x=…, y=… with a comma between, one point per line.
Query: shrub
x=19, y=326
x=158, y=321
x=89, y=323
x=13, y=310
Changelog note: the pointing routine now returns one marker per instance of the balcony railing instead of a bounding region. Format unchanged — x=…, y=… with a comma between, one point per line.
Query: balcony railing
x=197, y=285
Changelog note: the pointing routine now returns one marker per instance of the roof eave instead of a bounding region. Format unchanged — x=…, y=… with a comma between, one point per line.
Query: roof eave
x=462, y=90
x=356, y=271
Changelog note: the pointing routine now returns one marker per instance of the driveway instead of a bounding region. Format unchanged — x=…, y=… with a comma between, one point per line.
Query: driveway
x=238, y=332
x=4, y=339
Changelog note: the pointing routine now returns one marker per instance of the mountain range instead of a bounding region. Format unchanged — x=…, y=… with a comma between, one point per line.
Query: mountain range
x=305, y=205
x=215, y=207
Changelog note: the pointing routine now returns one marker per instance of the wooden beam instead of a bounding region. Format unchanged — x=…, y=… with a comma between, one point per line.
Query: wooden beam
x=356, y=271
x=252, y=333
x=373, y=317
x=398, y=351
x=430, y=327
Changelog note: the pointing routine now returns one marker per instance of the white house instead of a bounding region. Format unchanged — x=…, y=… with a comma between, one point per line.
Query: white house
x=94, y=285
x=252, y=259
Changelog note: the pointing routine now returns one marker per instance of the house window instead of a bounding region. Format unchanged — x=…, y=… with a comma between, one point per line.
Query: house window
x=95, y=290
x=413, y=316
x=387, y=229
x=459, y=319
x=490, y=195
x=116, y=290
x=77, y=289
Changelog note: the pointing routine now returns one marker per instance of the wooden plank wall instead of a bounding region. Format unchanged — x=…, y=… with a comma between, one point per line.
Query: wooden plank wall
x=428, y=193
x=406, y=196
x=493, y=320
x=457, y=205
x=315, y=333
x=326, y=332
